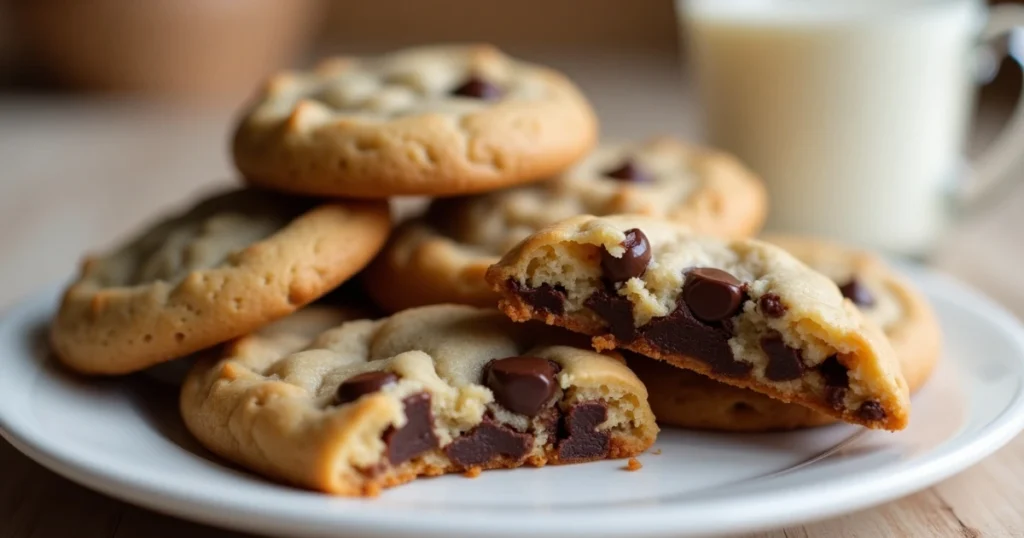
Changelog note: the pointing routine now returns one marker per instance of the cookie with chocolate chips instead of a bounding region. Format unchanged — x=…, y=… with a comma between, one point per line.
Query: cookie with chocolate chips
x=442, y=256
x=742, y=312
x=682, y=398
x=221, y=269
x=353, y=406
x=442, y=120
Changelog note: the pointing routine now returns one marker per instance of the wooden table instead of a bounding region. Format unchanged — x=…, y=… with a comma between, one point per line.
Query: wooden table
x=79, y=175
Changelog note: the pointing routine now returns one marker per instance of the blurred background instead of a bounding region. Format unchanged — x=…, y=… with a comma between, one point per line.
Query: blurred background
x=214, y=52
x=111, y=110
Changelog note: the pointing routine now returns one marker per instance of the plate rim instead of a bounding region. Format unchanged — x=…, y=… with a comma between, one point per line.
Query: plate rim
x=801, y=504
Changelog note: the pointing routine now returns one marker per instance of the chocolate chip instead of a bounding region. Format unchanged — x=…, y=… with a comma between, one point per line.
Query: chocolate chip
x=478, y=88
x=857, y=292
x=784, y=362
x=837, y=381
x=835, y=374
x=835, y=396
x=417, y=435
x=682, y=333
x=362, y=384
x=871, y=411
x=487, y=441
x=630, y=171
x=547, y=298
x=523, y=385
x=712, y=294
x=616, y=311
x=772, y=306
x=634, y=260
x=581, y=441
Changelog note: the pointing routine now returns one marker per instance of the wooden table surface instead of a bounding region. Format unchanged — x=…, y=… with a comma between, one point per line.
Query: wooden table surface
x=79, y=175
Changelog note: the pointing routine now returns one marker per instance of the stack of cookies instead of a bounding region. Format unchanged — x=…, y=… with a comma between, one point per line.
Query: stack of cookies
x=554, y=298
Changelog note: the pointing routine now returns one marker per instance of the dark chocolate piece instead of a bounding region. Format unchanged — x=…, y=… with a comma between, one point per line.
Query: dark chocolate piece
x=580, y=439
x=858, y=293
x=487, y=441
x=523, y=385
x=835, y=396
x=837, y=381
x=547, y=298
x=630, y=171
x=634, y=260
x=784, y=362
x=772, y=306
x=835, y=374
x=478, y=88
x=417, y=435
x=681, y=333
x=616, y=311
x=362, y=384
x=871, y=411
x=712, y=294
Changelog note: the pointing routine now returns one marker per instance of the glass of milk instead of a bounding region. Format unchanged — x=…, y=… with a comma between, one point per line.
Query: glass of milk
x=855, y=112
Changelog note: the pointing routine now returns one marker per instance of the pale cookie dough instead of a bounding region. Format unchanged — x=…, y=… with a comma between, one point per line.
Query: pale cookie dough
x=224, y=268
x=743, y=312
x=440, y=120
x=353, y=408
x=442, y=256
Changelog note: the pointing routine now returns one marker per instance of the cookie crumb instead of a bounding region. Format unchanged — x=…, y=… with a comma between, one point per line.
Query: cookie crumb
x=656, y=452
x=634, y=465
x=472, y=472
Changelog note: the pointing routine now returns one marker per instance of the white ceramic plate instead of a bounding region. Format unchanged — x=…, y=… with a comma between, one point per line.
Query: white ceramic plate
x=123, y=437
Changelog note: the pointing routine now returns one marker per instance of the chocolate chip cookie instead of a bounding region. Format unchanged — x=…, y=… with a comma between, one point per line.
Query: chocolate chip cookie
x=442, y=120
x=351, y=408
x=442, y=257
x=682, y=398
x=224, y=268
x=743, y=312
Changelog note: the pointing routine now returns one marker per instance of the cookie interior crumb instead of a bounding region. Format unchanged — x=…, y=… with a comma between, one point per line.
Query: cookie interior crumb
x=634, y=465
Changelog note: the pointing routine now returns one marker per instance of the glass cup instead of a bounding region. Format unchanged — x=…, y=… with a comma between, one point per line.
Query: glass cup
x=855, y=112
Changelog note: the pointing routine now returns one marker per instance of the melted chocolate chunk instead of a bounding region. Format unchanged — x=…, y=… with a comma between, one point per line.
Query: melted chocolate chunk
x=835, y=396
x=580, y=439
x=634, y=260
x=478, y=88
x=784, y=362
x=547, y=298
x=616, y=311
x=417, y=435
x=682, y=333
x=487, y=441
x=362, y=384
x=835, y=374
x=837, y=381
x=871, y=410
x=630, y=171
x=857, y=292
x=712, y=294
x=523, y=385
x=772, y=306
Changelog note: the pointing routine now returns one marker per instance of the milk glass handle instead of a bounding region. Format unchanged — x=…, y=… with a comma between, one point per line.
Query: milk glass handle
x=992, y=166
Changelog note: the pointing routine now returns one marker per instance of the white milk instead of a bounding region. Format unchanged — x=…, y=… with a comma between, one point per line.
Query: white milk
x=854, y=111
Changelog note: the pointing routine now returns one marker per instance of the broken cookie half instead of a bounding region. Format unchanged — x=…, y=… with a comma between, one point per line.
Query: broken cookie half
x=743, y=312
x=351, y=407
